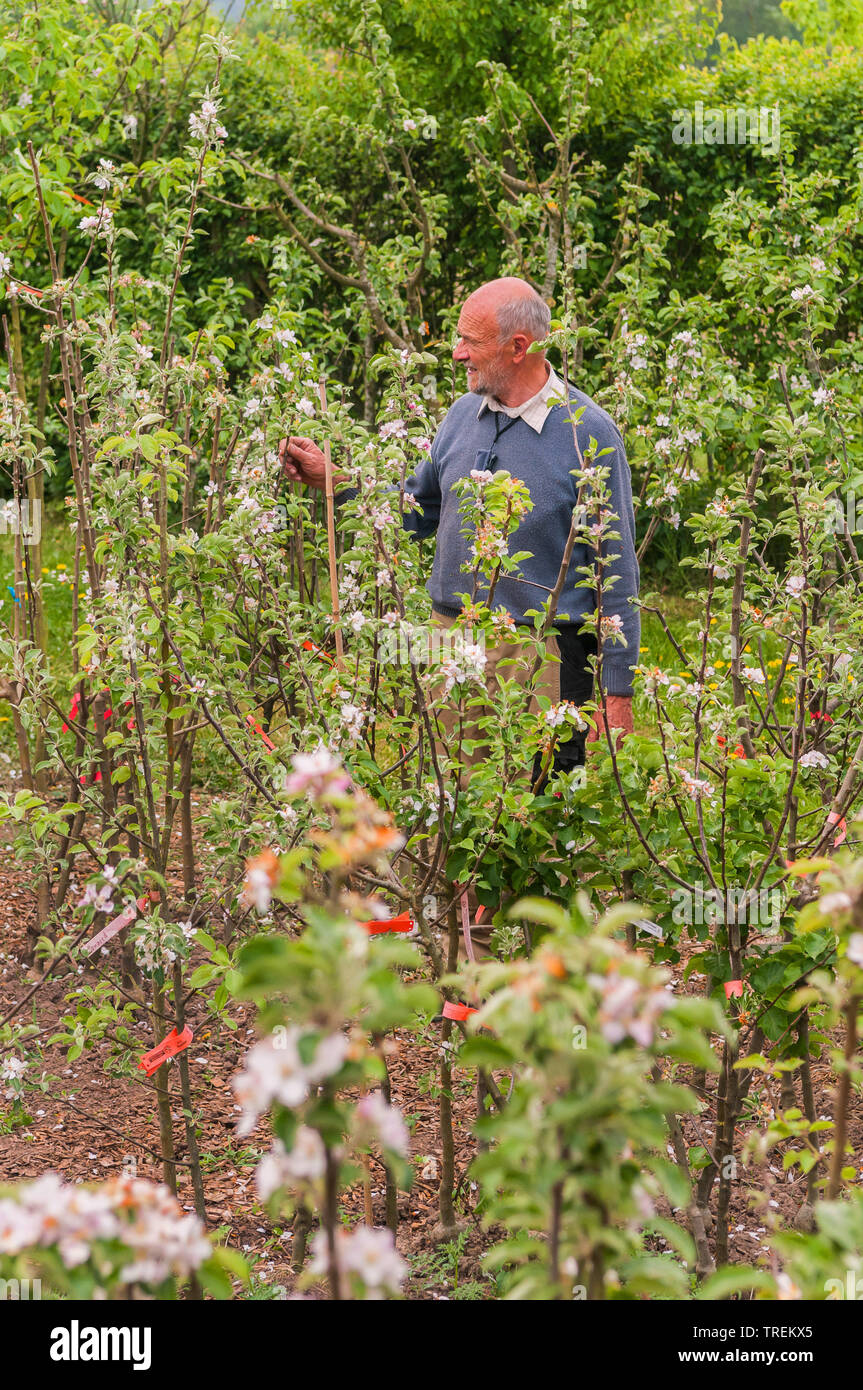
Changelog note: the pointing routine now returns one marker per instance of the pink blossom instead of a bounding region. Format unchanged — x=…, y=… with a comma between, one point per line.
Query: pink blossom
x=304, y=1163
x=319, y=774
x=376, y=1119
x=368, y=1252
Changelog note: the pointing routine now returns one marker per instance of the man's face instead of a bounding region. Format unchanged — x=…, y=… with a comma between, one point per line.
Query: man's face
x=480, y=349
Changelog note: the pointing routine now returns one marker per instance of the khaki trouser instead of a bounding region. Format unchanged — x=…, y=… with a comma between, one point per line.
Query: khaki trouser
x=509, y=660
x=514, y=661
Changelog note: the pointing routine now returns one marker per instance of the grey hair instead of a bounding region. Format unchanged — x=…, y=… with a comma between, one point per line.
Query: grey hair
x=529, y=313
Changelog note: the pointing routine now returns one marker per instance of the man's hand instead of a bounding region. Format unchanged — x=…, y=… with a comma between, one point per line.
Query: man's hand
x=618, y=715
x=302, y=461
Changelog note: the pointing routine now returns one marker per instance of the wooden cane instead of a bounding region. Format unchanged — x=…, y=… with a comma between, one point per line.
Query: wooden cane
x=368, y=1211
x=331, y=530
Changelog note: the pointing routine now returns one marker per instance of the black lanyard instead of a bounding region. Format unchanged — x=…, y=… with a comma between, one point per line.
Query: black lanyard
x=498, y=415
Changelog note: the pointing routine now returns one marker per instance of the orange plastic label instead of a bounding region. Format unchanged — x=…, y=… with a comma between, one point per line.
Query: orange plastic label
x=404, y=922
x=169, y=1047
x=842, y=833
x=252, y=723
x=318, y=651
x=459, y=1012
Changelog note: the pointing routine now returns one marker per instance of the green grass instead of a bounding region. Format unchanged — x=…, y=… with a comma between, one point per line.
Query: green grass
x=58, y=561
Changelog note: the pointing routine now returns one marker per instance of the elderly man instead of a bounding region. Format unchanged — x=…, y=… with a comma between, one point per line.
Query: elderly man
x=517, y=426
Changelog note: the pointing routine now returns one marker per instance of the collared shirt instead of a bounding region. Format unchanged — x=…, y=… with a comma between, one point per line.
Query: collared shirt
x=535, y=411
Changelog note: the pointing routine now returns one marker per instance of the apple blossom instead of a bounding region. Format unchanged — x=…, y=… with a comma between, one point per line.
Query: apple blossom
x=814, y=759
x=855, y=945
x=377, y=1119
x=305, y=1162
x=319, y=775
x=368, y=1252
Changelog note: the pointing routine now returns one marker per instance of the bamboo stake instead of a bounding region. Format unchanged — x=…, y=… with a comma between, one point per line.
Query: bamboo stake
x=331, y=530
x=368, y=1212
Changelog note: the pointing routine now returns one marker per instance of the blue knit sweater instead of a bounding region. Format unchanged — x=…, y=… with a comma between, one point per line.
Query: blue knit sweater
x=543, y=462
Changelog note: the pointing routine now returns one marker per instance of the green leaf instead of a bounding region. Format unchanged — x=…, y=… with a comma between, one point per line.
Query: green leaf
x=483, y=1051
x=732, y=1279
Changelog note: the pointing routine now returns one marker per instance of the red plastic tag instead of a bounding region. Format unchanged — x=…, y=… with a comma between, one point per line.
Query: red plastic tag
x=842, y=833
x=169, y=1047
x=73, y=710
x=459, y=1012
x=250, y=720
x=733, y=989
x=118, y=923
x=318, y=651
x=404, y=922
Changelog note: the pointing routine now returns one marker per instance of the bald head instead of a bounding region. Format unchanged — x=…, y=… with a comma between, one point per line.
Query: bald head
x=515, y=305
x=497, y=325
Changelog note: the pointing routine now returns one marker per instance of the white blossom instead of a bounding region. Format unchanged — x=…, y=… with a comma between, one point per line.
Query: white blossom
x=352, y=717
x=565, y=711
x=376, y=1119
x=305, y=1162
x=393, y=429
x=855, y=945
x=813, y=759
x=369, y=1252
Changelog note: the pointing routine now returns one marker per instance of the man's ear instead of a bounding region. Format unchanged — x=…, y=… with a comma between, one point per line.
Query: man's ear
x=520, y=344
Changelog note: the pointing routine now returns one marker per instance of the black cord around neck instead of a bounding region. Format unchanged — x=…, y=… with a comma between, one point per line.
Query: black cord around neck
x=498, y=416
